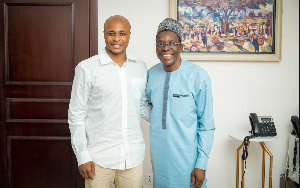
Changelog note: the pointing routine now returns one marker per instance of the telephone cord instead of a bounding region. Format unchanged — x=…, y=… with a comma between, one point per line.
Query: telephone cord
x=295, y=154
x=245, y=154
x=243, y=173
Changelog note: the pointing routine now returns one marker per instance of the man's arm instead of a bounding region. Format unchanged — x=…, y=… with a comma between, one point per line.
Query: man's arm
x=76, y=119
x=205, y=129
x=146, y=105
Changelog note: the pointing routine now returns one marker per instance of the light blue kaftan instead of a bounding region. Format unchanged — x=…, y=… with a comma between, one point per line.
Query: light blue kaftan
x=185, y=140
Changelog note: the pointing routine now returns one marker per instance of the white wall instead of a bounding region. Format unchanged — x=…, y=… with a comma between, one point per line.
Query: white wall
x=267, y=88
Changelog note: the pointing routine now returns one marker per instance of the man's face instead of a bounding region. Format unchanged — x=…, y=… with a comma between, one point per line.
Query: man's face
x=169, y=55
x=116, y=35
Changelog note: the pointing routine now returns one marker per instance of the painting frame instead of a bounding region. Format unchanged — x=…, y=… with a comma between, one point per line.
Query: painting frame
x=230, y=57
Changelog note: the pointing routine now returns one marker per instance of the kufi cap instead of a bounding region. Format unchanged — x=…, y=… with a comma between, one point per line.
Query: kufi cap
x=170, y=24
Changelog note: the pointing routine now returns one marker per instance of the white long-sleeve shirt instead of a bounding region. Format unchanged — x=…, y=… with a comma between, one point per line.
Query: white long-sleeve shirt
x=104, y=112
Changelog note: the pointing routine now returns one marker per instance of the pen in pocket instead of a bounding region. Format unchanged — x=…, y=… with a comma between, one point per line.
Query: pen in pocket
x=179, y=95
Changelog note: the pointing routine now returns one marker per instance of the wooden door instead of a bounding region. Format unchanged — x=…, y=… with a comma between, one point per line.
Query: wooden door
x=41, y=42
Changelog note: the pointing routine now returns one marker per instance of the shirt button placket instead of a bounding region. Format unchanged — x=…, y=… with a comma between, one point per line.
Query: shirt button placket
x=124, y=109
x=124, y=97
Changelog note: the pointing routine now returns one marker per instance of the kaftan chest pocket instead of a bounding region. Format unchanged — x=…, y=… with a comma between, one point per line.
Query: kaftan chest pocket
x=181, y=105
x=138, y=87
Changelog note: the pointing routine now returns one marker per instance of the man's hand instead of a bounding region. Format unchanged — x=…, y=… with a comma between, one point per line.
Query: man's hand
x=199, y=176
x=87, y=170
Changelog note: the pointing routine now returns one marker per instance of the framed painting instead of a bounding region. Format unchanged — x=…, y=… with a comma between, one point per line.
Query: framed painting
x=229, y=30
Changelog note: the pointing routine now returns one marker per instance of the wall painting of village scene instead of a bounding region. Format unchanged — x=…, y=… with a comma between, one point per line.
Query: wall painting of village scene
x=227, y=26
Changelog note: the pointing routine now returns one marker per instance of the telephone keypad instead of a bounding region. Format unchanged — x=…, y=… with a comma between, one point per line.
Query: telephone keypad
x=268, y=129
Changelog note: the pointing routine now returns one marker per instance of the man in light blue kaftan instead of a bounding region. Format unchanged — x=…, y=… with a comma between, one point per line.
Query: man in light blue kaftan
x=181, y=124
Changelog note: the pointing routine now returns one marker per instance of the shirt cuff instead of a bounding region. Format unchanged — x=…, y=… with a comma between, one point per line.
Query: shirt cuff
x=83, y=157
x=201, y=163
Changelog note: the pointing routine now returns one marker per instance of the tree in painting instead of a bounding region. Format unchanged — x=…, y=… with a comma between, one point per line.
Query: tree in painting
x=227, y=25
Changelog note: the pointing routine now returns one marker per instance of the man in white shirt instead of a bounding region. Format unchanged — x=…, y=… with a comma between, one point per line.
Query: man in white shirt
x=108, y=94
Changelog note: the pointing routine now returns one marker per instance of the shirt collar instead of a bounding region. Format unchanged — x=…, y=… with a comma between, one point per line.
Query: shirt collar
x=105, y=59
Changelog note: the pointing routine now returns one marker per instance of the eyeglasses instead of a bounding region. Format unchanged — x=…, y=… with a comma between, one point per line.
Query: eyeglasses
x=171, y=44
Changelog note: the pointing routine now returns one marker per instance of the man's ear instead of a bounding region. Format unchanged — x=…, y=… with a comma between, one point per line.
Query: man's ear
x=181, y=48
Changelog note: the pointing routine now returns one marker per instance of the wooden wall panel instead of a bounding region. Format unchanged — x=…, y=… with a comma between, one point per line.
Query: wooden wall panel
x=37, y=110
x=39, y=43
x=40, y=162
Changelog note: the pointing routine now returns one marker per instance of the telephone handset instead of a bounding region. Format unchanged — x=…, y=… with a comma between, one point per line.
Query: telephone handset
x=295, y=122
x=262, y=125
